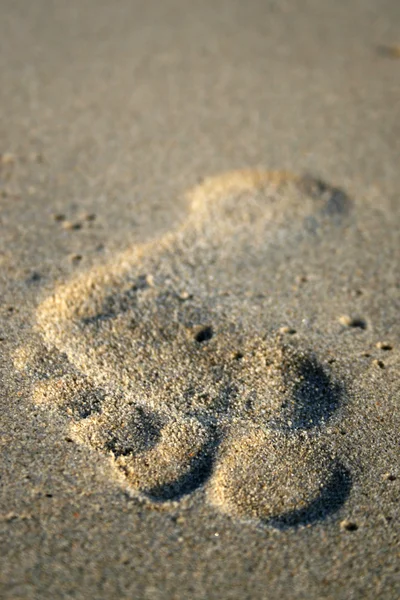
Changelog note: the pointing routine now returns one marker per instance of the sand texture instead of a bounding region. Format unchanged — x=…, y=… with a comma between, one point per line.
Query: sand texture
x=200, y=294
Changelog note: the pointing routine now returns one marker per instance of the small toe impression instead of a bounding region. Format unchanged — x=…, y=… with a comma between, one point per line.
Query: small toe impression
x=276, y=478
x=292, y=391
x=72, y=395
x=177, y=464
x=309, y=395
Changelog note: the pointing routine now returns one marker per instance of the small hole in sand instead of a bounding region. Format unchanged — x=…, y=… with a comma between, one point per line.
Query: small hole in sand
x=301, y=279
x=390, y=477
x=184, y=295
x=34, y=278
x=76, y=258
x=360, y=323
x=204, y=334
x=349, y=526
x=238, y=355
x=357, y=322
x=379, y=363
x=354, y=322
x=88, y=217
x=287, y=331
x=59, y=217
x=70, y=226
x=384, y=346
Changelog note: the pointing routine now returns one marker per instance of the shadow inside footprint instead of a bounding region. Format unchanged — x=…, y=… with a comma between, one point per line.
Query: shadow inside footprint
x=336, y=204
x=333, y=207
x=115, y=304
x=311, y=396
x=139, y=434
x=315, y=398
x=197, y=475
x=86, y=403
x=332, y=497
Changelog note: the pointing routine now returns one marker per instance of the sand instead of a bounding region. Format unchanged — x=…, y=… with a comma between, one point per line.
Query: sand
x=199, y=294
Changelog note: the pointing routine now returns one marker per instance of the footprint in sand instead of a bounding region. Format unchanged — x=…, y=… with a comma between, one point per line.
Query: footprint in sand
x=165, y=359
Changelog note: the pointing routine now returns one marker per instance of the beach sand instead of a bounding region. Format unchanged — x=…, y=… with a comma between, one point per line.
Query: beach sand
x=199, y=299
